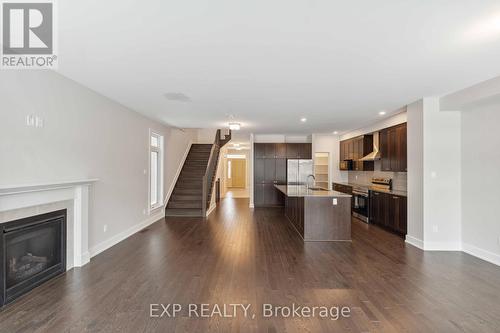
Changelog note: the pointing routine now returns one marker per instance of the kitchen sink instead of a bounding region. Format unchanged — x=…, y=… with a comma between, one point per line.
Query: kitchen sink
x=317, y=189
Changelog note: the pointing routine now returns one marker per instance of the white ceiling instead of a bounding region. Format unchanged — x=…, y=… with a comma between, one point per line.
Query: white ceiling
x=269, y=63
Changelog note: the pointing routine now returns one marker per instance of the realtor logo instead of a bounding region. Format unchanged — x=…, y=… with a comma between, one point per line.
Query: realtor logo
x=28, y=35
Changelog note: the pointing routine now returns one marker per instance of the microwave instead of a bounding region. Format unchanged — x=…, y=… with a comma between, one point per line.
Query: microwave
x=346, y=165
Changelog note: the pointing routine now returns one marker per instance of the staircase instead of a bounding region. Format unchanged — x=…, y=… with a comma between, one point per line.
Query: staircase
x=193, y=191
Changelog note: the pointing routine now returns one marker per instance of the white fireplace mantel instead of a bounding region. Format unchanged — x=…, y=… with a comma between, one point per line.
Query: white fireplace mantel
x=29, y=195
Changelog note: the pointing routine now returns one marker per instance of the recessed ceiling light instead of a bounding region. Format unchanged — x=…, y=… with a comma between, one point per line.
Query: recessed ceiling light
x=303, y=120
x=234, y=126
x=335, y=132
x=382, y=113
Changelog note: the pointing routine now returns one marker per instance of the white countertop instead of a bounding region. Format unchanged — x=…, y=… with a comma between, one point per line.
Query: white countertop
x=303, y=191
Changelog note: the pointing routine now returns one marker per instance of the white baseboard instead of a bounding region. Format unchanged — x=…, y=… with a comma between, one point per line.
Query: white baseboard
x=177, y=173
x=210, y=210
x=85, y=258
x=95, y=250
x=442, y=246
x=464, y=247
x=481, y=254
x=430, y=246
x=415, y=242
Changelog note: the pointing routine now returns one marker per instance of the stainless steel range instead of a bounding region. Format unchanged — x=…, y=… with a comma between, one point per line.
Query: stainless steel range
x=384, y=184
x=360, y=202
x=361, y=197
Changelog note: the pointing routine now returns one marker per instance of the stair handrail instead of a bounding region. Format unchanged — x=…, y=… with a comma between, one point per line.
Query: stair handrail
x=208, y=176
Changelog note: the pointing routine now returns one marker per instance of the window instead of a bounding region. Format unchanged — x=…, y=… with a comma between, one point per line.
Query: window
x=228, y=169
x=155, y=170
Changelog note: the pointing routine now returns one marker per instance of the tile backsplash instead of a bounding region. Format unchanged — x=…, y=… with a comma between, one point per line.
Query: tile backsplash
x=399, y=179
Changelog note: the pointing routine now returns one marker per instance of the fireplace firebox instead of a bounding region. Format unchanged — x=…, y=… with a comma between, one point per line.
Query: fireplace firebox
x=32, y=251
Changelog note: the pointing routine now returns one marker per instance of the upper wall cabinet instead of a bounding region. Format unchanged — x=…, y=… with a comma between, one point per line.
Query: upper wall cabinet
x=299, y=150
x=283, y=150
x=354, y=149
x=393, y=148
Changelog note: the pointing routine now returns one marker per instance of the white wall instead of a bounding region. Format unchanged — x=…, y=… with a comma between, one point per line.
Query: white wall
x=329, y=143
x=442, y=177
x=394, y=120
x=205, y=135
x=434, y=176
x=85, y=135
x=415, y=146
x=250, y=170
x=279, y=138
x=481, y=181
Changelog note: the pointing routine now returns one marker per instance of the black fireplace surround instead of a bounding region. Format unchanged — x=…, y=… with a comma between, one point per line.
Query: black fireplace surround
x=32, y=251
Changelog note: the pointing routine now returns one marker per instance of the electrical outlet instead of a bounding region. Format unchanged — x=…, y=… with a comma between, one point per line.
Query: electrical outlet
x=105, y=228
x=334, y=201
x=435, y=228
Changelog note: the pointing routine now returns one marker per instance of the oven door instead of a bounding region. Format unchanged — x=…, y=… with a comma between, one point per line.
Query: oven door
x=360, y=205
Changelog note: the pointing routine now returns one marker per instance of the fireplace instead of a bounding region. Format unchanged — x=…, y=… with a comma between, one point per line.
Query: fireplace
x=32, y=251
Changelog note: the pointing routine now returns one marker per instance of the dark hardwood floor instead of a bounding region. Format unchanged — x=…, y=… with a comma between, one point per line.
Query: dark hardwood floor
x=244, y=256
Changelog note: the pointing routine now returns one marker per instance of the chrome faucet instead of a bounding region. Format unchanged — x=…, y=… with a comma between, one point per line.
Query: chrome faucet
x=307, y=180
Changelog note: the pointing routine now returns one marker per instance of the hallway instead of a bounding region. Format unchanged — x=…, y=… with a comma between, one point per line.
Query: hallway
x=241, y=255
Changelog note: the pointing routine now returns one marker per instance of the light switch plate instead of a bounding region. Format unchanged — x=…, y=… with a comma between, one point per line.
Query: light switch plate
x=38, y=122
x=30, y=120
x=334, y=201
x=435, y=228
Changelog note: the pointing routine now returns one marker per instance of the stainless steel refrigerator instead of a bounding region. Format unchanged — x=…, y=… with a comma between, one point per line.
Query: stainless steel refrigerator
x=298, y=170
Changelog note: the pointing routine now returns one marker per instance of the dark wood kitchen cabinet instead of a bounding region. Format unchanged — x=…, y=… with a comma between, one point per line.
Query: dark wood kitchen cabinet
x=305, y=151
x=389, y=211
x=393, y=148
x=269, y=170
x=292, y=150
x=270, y=163
x=280, y=170
x=378, y=209
x=280, y=150
x=259, y=151
x=299, y=150
x=294, y=210
x=342, y=152
x=259, y=170
x=342, y=188
x=354, y=149
x=265, y=195
x=398, y=214
x=270, y=150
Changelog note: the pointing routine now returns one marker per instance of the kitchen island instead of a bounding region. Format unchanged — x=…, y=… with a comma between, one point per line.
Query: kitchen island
x=318, y=214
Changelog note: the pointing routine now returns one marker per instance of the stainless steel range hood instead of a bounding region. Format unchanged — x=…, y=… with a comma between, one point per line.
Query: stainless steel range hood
x=375, y=154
